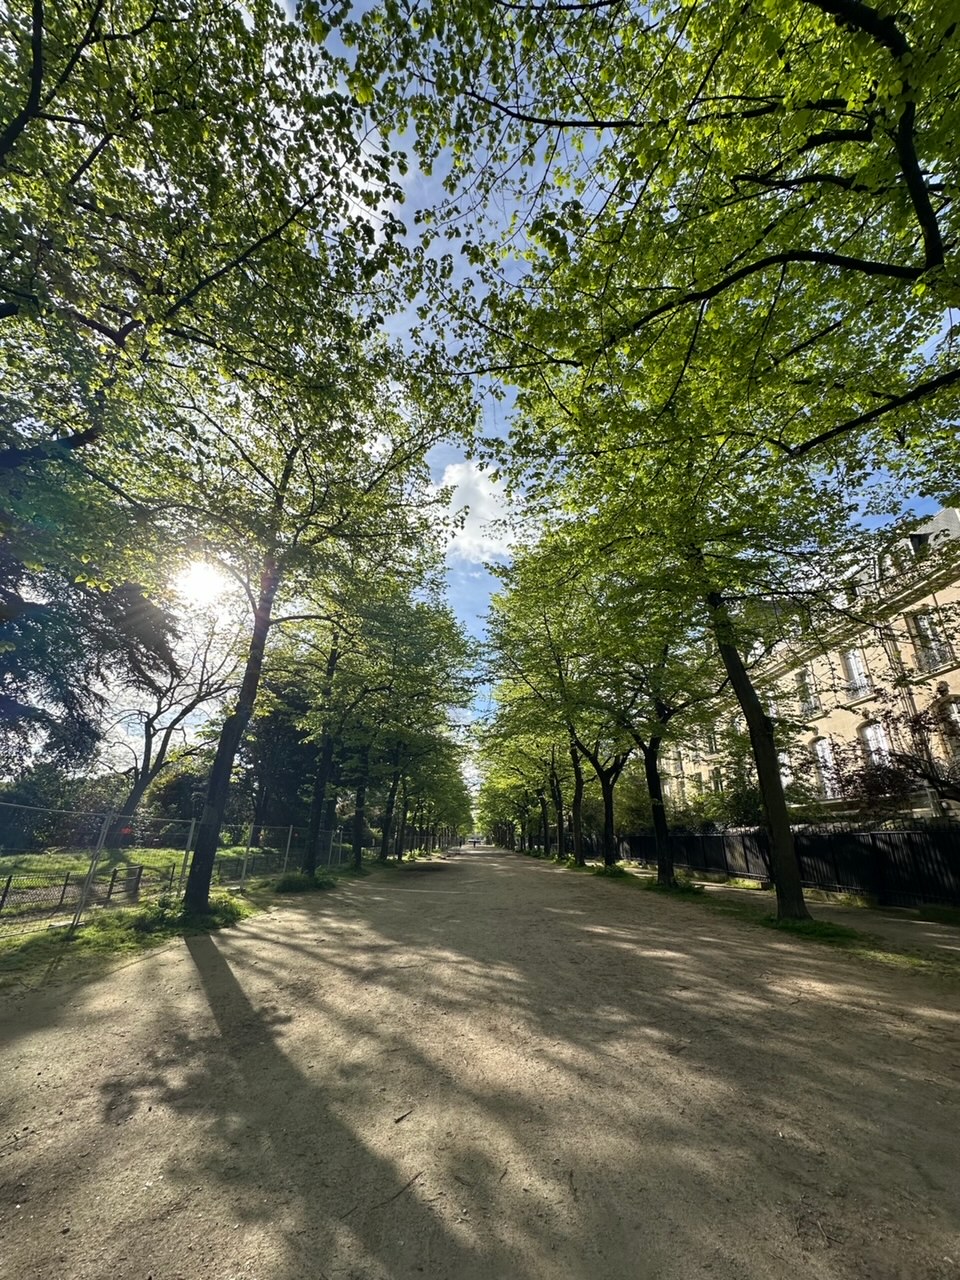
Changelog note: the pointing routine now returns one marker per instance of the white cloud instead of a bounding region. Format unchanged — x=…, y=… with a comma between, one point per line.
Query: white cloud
x=480, y=539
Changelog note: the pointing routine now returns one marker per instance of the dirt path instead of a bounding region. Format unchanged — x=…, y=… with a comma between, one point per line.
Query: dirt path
x=488, y=1069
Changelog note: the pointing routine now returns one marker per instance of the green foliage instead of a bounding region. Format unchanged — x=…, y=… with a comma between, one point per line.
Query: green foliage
x=299, y=882
x=682, y=887
x=110, y=932
x=837, y=935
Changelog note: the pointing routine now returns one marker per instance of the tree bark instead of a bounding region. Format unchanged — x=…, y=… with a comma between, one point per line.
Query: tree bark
x=318, y=802
x=322, y=777
x=609, y=837
x=197, y=895
x=544, y=822
x=329, y=823
x=576, y=809
x=784, y=866
x=127, y=809
x=402, y=824
x=651, y=770
x=556, y=792
x=359, y=811
x=388, y=816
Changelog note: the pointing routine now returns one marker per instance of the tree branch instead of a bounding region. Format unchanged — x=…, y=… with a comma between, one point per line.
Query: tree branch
x=30, y=108
x=922, y=391
x=11, y=459
x=816, y=257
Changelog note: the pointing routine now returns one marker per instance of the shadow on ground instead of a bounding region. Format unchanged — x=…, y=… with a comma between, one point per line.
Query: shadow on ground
x=493, y=1069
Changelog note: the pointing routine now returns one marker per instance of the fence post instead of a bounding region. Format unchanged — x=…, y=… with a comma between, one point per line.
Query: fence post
x=286, y=853
x=113, y=881
x=6, y=890
x=88, y=882
x=173, y=872
x=63, y=891
x=186, y=857
x=246, y=855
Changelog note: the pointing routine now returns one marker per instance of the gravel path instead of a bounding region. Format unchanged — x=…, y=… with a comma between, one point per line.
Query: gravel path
x=483, y=1069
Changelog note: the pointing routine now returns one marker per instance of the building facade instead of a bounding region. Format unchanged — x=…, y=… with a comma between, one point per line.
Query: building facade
x=871, y=698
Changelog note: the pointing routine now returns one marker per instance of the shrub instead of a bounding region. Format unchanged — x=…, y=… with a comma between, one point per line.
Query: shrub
x=682, y=885
x=301, y=882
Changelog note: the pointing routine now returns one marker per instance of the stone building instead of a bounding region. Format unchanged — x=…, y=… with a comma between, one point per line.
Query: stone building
x=876, y=687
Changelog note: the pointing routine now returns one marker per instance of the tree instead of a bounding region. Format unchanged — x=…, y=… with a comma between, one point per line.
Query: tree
x=386, y=678
x=182, y=176
x=161, y=720
x=755, y=190
x=274, y=478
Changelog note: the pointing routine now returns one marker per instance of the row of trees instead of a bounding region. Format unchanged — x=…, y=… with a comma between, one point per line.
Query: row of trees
x=712, y=248
x=724, y=297
x=198, y=246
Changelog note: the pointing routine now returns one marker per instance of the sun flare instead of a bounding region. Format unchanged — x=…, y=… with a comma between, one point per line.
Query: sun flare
x=201, y=583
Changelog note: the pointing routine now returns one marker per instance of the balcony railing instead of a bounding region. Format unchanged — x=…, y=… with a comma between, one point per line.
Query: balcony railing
x=859, y=686
x=934, y=654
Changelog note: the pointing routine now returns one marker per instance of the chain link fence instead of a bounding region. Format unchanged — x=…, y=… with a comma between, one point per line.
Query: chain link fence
x=57, y=865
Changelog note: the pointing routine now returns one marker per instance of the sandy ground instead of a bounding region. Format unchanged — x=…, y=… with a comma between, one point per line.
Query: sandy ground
x=487, y=1069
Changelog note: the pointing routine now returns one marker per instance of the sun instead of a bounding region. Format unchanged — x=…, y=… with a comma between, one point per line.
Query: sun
x=201, y=583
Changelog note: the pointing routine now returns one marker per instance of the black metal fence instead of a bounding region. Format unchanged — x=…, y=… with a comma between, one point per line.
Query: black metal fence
x=33, y=899
x=901, y=868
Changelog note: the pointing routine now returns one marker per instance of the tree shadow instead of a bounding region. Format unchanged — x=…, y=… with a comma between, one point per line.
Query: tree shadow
x=491, y=1068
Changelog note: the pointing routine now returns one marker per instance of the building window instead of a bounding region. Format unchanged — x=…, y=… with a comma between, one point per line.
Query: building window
x=786, y=769
x=876, y=744
x=855, y=673
x=807, y=693
x=949, y=717
x=717, y=777
x=826, y=767
x=929, y=643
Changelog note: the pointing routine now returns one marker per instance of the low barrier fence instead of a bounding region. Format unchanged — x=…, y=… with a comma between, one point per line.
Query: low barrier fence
x=53, y=862
x=901, y=868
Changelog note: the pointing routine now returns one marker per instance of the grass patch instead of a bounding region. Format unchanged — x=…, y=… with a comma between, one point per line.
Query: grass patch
x=112, y=932
x=741, y=882
x=940, y=915
x=838, y=935
x=302, y=882
x=63, y=860
x=840, y=899
x=614, y=872
x=682, y=886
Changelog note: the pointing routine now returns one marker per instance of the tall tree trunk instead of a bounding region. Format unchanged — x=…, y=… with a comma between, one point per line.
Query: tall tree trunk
x=607, y=784
x=318, y=803
x=322, y=777
x=388, y=816
x=783, y=856
x=329, y=825
x=127, y=809
x=544, y=822
x=556, y=793
x=197, y=895
x=661, y=834
x=359, y=811
x=402, y=824
x=576, y=809
x=259, y=809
